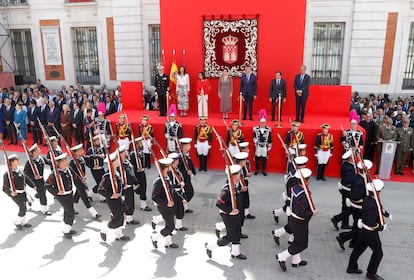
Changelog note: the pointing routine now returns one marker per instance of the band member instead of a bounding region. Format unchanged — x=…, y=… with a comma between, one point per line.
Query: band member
x=323, y=147
x=298, y=221
x=82, y=190
x=405, y=138
x=203, y=138
x=173, y=130
x=248, y=91
x=114, y=199
x=103, y=127
x=262, y=138
x=129, y=181
x=14, y=187
x=64, y=196
x=385, y=132
x=95, y=156
x=186, y=167
x=347, y=173
x=301, y=85
x=370, y=226
x=123, y=132
x=277, y=91
x=141, y=187
x=146, y=132
x=231, y=218
x=203, y=89
x=162, y=196
x=39, y=183
x=294, y=137
x=162, y=87
x=234, y=137
x=352, y=135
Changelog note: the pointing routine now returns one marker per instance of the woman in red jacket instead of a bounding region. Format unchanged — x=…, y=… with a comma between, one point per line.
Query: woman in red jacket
x=203, y=89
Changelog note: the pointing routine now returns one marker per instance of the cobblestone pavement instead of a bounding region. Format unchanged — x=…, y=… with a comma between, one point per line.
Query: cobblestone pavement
x=42, y=253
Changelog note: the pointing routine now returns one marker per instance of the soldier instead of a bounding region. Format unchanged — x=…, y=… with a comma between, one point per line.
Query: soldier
x=61, y=188
x=173, y=130
x=186, y=167
x=406, y=138
x=110, y=187
x=294, y=137
x=323, y=147
x=14, y=187
x=385, y=132
x=352, y=138
x=234, y=137
x=347, y=173
x=241, y=159
x=103, y=127
x=57, y=150
x=203, y=138
x=123, y=132
x=39, y=183
x=95, y=161
x=231, y=218
x=262, y=138
x=129, y=179
x=298, y=221
x=146, y=132
x=162, y=196
x=162, y=88
x=141, y=187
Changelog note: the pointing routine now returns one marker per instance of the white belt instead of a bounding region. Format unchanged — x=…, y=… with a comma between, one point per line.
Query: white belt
x=20, y=191
x=349, y=203
x=361, y=225
x=297, y=217
x=67, y=192
x=127, y=187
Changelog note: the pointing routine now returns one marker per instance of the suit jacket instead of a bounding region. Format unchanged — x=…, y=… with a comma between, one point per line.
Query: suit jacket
x=248, y=88
x=371, y=131
x=43, y=115
x=302, y=85
x=53, y=117
x=111, y=110
x=162, y=84
x=78, y=120
x=33, y=116
x=8, y=115
x=275, y=89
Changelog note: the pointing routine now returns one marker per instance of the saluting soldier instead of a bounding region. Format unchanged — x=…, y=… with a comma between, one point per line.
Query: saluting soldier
x=353, y=137
x=385, y=132
x=186, y=167
x=146, y=132
x=203, y=138
x=95, y=156
x=406, y=138
x=38, y=180
x=324, y=145
x=234, y=137
x=15, y=187
x=123, y=131
x=172, y=131
x=262, y=138
x=162, y=87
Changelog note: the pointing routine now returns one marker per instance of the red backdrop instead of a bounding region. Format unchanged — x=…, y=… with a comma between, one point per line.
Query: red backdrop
x=132, y=95
x=281, y=27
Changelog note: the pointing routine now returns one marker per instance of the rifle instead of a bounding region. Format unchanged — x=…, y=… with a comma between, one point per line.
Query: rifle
x=352, y=150
x=302, y=179
x=134, y=147
x=183, y=158
x=164, y=183
x=9, y=171
x=173, y=170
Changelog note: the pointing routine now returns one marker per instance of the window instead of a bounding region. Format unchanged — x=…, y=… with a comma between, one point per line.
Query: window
x=86, y=55
x=13, y=2
x=78, y=1
x=327, y=52
x=23, y=55
x=155, y=49
x=408, y=81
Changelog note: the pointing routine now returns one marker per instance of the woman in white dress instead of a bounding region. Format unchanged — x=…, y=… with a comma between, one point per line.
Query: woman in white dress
x=183, y=88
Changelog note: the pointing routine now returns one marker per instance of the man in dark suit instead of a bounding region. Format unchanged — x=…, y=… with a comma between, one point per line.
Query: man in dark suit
x=248, y=90
x=277, y=90
x=33, y=113
x=371, y=136
x=162, y=87
x=77, y=122
x=302, y=82
x=110, y=106
x=8, y=117
x=52, y=118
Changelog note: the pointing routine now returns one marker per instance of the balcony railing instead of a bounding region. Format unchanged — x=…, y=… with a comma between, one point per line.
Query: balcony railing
x=13, y=2
x=78, y=1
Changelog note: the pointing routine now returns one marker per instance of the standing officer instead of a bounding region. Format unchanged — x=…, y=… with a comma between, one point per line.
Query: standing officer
x=146, y=132
x=262, y=138
x=248, y=91
x=385, y=132
x=203, y=138
x=323, y=146
x=277, y=90
x=162, y=87
x=301, y=85
x=406, y=138
x=234, y=137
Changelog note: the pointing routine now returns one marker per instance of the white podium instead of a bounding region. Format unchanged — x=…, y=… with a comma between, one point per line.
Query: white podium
x=389, y=148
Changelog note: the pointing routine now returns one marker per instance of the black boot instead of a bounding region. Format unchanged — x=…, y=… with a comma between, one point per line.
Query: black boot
x=322, y=174
x=205, y=163
x=264, y=160
x=257, y=165
x=201, y=162
x=318, y=173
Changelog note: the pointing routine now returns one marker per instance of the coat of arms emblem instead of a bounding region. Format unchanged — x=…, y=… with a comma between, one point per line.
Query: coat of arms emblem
x=230, y=49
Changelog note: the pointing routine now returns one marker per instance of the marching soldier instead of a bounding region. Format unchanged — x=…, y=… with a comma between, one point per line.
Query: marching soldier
x=385, y=132
x=103, y=127
x=347, y=173
x=352, y=138
x=231, y=218
x=95, y=161
x=262, y=138
x=110, y=187
x=57, y=150
x=241, y=159
x=14, y=186
x=162, y=87
x=146, y=132
x=173, y=130
x=298, y=220
x=123, y=132
x=39, y=183
x=162, y=196
x=234, y=137
x=406, y=138
x=62, y=190
x=203, y=138
x=187, y=169
x=323, y=147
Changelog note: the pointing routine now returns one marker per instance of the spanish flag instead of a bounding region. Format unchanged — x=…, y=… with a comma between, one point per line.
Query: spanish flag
x=173, y=79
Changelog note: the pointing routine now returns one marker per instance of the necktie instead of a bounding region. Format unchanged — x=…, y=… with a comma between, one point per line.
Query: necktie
x=278, y=82
x=248, y=77
x=405, y=130
x=301, y=78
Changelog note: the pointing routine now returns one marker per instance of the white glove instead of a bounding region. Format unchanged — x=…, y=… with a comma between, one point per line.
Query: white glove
x=288, y=211
x=390, y=217
x=339, y=186
x=284, y=196
x=360, y=223
x=385, y=227
x=195, y=146
x=348, y=202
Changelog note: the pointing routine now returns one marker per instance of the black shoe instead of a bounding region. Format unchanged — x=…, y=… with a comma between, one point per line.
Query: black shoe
x=346, y=227
x=217, y=233
x=302, y=263
x=275, y=217
x=19, y=227
x=188, y=211
x=90, y=199
x=73, y=232
x=264, y=173
x=153, y=225
x=401, y=173
x=133, y=222
x=200, y=169
x=182, y=229
x=250, y=216
x=341, y=243
x=323, y=179
x=76, y=212
x=97, y=216
x=27, y=225
x=103, y=201
x=374, y=277
x=172, y=246
x=209, y=253
x=95, y=189
x=36, y=195
x=67, y=235
x=147, y=209
x=256, y=172
x=244, y=236
x=103, y=236
x=275, y=238
x=239, y=256
x=47, y=213
x=317, y=178
x=154, y=243
x=335, y=223
x=123, y=238
x=353, y=271
x=281, y=263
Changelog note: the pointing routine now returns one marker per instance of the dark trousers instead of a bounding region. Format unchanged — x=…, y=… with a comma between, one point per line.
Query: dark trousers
x=167, y=214
x=301, y=232
x=78, y=135
x=81, y=193
x=345, y=211
x=288, y=229
x=67, y=135
x=20, y=199
x=41, y=191
x=353, y=234
x=188, y=188
x=162, y=102
x=233, y=228
x=248, y=106
x=142, y=188
x=129, y=200
x=263, y=161
x=246, y=199
x=300, y=107
x=98, y=175
x=274, y=106
x=367, y=239
x=147, y=161
x=11, y=132
x=203, y=162
x=68, y=211
x=240, y=206
x=37, y=135
x=117, y=210
x=369, y=151
x=178, y=202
